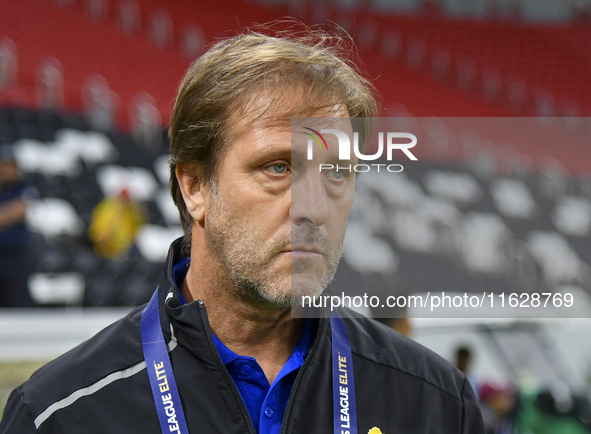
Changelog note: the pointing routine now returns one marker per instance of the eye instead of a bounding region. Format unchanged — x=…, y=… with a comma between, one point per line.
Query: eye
x=337, y=174
x=277, y=169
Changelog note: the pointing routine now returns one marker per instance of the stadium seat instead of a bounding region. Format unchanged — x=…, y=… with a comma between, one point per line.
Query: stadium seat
x=153, y=241
x=572, y=215
x=139, y=182
x=57, y=289
x=53, y=217
x=512, y=198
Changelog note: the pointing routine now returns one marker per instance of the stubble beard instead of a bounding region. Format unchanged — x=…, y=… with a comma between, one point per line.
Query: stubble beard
x=247, y=259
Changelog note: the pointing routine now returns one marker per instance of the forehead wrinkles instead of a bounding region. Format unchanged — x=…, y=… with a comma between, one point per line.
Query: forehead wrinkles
x=270, y=104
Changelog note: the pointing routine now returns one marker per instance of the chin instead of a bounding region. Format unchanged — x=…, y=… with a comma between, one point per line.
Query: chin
x=275, y=292
x=283, y=288
x=302, y=285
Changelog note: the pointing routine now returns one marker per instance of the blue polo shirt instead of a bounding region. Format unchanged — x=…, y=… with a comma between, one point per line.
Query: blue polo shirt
x=265, y=402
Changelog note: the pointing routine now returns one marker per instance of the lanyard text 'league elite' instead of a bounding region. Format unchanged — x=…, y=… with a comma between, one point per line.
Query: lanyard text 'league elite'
x=166, y=394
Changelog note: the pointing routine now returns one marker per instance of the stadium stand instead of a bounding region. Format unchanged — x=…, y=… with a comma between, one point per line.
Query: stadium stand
x=73, y=171
x=482, y=228
x=86, y=46
x=68, y=91
x=433, y=65
x=533, y=70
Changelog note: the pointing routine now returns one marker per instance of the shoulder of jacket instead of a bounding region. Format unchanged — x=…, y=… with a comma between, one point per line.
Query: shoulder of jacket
x=383, y=346
x=114, y=349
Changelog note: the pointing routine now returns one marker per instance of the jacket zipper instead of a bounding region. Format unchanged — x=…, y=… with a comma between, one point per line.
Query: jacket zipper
x=299, y=376
x=205, y=321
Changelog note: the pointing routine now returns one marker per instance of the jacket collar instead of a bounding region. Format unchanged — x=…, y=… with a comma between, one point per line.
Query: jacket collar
x=187, y=320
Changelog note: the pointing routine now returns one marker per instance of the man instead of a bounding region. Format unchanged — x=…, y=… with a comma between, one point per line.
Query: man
x=14, y=235
x=115, y=222
x=217, y=350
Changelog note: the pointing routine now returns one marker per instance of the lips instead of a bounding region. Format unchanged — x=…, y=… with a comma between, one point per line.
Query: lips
x=306, y=249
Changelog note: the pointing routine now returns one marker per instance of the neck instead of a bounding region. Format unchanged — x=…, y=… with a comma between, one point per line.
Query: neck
x=248, y=328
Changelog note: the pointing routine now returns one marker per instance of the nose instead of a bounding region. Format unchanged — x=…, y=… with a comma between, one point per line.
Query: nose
x=310, y=204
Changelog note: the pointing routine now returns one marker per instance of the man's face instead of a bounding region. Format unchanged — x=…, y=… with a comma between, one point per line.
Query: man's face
x=275, y=221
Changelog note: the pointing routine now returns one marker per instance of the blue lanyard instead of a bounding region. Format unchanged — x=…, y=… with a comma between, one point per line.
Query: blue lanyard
x=343, y=384
x=164, y=390
x=166, y=395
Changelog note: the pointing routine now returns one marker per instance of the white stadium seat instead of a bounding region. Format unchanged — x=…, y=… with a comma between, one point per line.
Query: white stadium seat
x=167, y=207
x=140, y=183
x=162, y=169
x=572, y=215
x=459, y=187
x=153, y=241
x=53, y=217
x=59, y=288
x=91, y=147
x=512, y=198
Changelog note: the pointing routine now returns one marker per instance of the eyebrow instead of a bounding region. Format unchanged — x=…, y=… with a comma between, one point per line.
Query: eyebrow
x=299, y=154
x=274, y=151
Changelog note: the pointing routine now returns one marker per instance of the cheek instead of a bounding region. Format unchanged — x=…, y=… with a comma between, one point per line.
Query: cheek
x=263, y=210
x=335, y=229
x=341, y=206
x=337, y=222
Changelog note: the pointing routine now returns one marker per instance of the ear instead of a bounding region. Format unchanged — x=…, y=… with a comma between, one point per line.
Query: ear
x=192, y=191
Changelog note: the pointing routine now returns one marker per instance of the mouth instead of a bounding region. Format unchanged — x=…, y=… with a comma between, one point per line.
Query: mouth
x=304, y=250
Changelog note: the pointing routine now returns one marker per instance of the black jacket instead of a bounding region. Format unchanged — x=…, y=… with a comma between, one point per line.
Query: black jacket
x=102, y=385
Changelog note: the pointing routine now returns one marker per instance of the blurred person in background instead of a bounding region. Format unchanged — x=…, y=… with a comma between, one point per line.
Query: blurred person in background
x=463, y=355
x=217, y=349
x=553, y=410
x=499, y=404
x=464, y=363
x=14, y=236
x=114, y=225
